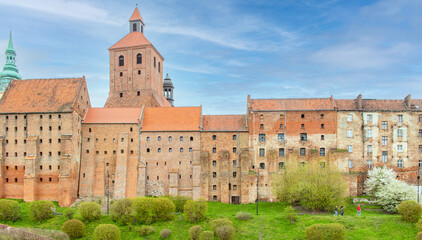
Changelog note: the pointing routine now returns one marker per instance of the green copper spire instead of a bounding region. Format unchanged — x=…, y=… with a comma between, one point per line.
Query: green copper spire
x=9, y=70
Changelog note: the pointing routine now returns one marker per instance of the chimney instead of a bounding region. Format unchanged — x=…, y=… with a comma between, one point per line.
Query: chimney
x=359, y=102
x=407, y=101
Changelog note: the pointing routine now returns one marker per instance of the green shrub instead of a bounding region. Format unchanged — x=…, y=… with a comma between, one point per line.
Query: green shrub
x=410, y=211
x=220, y=222
x=50, y=234
x=207, y=235
x=311, y=186
x=165, y=233
x=290, y=214
x=243, y=216
x=195, y=232
x=143, y=210
x=121, y=211
x=419, y=236
x=68, y=213
x=90, y=210
x=196, y=210
x=41, y=210
x=179, y=202
x=332, y=231
x=163, y=209
x=225, y=232
x=419, y=225
x=144, y=230
x=107, y=232
x=74, y=228
x=9, y=210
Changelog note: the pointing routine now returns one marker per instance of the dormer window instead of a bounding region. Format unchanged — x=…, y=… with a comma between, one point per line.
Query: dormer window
x=121, y=60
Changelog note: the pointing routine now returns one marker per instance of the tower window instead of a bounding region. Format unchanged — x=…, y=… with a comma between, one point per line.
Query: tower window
x=121, y=60
x=159, y=66
x=121, y=94
x=154, y=61
x=139, y=58
x=121, y=74
x=139, y=93
x=139, y=72
x=134, y=27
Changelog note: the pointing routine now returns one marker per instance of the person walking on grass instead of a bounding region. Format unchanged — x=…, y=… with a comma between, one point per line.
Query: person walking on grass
x=335, y=211
x=358, y=212
x=341, y=211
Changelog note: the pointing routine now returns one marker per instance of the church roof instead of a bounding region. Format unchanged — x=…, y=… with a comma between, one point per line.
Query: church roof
x=224, y=123
x=131, y=40
x=171, y=119
x=113, y=115
x=136, y=15
x=40, y=95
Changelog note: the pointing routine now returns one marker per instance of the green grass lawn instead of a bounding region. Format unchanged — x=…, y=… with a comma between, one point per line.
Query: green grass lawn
x=269, y=224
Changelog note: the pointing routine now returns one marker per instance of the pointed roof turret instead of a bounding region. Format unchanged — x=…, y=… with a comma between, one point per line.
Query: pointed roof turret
x=10, y=71
x=10, y=46
x=136, y=16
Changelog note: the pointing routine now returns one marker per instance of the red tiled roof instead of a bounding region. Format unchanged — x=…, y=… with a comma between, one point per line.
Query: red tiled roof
x=381, y=104
x=292, y=104
x=136, y=15
x=171, y=119
x=113, y=115
x=131, y=40
x=224, y=123
x=40, y=95
x=346, y=104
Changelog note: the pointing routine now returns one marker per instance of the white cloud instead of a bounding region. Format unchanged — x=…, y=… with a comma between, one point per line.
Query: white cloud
x=69, y=9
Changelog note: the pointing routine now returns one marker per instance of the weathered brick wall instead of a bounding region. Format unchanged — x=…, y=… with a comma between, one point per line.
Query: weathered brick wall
x=291, y=124
x=112, y=147
x=170, y=168
x=223, y=171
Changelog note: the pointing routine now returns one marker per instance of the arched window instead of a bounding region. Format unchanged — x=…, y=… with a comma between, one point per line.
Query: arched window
x=154, y=61
x=121, y=60
x=139, y=58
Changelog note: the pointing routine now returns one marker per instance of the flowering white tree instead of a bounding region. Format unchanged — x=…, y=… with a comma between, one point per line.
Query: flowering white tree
x=388, y=191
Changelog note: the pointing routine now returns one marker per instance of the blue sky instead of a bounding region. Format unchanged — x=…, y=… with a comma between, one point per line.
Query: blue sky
x=218, y=52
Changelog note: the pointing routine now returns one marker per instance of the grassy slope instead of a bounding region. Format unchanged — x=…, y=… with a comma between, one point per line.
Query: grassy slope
x=269, y=224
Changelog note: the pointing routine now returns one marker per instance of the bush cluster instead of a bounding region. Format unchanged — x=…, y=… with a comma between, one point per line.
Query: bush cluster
x=74, y=228
x=90, y=210
x=311, y=186
x=332, y=231
x=150, y=210
x=41, y=210
x=144, y=230
x=121, y=211
x=107, y=232
x=243, y=216
x=196, y=211
x=179, y=202
x=9, y=210
x=165, y=233
x=68, y=213
x=207, y=235
x=419, y=236
x=290, y=214
x=410, y=211
x=223, y=228
x=195, y=232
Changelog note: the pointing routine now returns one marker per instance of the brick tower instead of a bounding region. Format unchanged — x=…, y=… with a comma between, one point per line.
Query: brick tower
x=136, y=70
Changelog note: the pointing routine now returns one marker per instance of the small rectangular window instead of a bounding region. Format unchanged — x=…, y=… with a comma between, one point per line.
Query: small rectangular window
x=349, y=133
x=369, y=133
x=262, y=137
x=384, y=125
x=280, y=137
x=234, y=137
x=369, y=117
x=262, y=152
x=399, y=163
x=399, y=132
x=384, y=140
x=369, y=163
x=369, y=149
x=349, y=117
x=303, y=137
x=399, y=148
x=303, y=152
x=350, y=163
x=281, y=152
x=349, y=148
x=384, y=156
x=214, y=137
x=322, y=152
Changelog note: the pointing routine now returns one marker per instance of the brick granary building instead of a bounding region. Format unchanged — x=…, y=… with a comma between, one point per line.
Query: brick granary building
x=54, y=146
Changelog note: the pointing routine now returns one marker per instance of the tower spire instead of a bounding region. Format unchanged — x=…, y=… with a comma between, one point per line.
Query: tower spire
x=10, y=71
x=136, y=22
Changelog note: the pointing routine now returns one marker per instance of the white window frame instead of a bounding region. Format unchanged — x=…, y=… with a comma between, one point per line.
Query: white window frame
x=349, y=117
x=400, y=148
x=369, y=133
x=384, y=141
x=349, y=148
x=349, y=133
